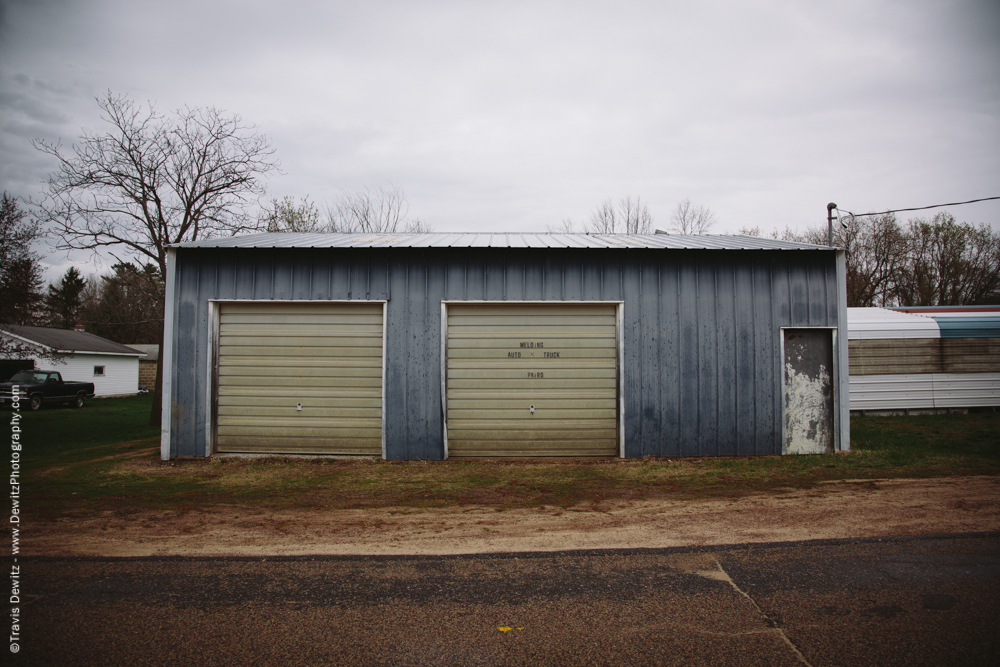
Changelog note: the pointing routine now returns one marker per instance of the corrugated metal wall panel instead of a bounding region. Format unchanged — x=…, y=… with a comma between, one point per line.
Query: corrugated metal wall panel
x=970, y=355
x=892, y=392
x=925, y=391
x=925, y=355
x=886, y=356
x=698, y=397
x=966, y=390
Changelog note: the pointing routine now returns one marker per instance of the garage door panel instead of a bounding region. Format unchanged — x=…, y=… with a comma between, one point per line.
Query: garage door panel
x=309, y=330
x=472, y=355
x=305, y=428
x=300, y=445
x=347, y=348
x=318, y=339
x=342, y=319
x=478, y=393
x=263, y=383
x=304, y=372
x=562, y=359
x=346, y=400
x=492, y=341
x=288, y=411
x=500, y=371
x=328, y=357
x=577, y=416
x=537, y=448
x=530, y=387
x=506, y=309
x=536, y=334
x=526, y=436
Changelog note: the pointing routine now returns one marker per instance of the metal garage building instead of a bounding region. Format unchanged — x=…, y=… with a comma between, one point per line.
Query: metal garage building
x=434, y=345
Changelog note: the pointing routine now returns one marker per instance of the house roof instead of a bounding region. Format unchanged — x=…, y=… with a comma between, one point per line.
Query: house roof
x=501, y=240
x=64, y=340
x=152, y=352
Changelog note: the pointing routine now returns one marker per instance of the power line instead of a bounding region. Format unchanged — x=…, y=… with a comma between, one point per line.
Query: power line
x=920, y=208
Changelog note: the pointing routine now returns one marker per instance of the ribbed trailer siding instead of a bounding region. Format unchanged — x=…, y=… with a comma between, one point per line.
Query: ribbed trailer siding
x=700, y=330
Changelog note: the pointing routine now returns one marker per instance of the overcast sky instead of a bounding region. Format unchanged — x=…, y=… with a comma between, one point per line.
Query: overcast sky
x=512, y=116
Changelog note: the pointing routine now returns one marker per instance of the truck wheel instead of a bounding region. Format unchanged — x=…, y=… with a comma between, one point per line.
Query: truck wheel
x=36, y=402
x=80, y=398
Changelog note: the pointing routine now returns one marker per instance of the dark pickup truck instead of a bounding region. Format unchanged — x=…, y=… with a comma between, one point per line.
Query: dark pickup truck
x=38, y=387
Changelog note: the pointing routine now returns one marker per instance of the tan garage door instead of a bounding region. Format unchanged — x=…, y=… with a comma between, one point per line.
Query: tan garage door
x=503, y=359
x=274, y=356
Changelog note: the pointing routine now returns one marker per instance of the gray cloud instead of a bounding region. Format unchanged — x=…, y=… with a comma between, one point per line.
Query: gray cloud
x=513, y=117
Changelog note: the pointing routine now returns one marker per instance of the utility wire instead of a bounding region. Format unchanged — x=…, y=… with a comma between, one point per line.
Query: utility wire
x=920, y=208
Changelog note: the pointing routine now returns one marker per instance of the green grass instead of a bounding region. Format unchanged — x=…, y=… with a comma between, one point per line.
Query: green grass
x=58, y=434
x=971, y=440
x=104, y=457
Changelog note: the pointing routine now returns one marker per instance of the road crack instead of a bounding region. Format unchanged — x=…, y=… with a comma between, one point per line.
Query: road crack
x=722, y=575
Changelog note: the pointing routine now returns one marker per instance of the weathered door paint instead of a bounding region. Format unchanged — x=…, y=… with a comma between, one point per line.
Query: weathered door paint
x=808, y=371
x=299, y=378
x=532, y=380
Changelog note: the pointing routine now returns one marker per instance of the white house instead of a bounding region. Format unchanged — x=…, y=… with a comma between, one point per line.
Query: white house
x=83, y=357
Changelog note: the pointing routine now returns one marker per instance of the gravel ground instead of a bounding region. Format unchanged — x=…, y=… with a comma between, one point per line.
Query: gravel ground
x=828, y=511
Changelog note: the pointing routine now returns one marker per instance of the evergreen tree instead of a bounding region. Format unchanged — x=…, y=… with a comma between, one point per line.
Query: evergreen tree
x=62, y=303
x=20, y=273
x=125, y=306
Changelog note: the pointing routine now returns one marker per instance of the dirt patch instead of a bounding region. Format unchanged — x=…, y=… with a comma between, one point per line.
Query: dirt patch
x=862, y=508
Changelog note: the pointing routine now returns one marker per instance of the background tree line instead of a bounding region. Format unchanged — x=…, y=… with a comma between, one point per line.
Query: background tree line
x=124, y=305
x=936, y=262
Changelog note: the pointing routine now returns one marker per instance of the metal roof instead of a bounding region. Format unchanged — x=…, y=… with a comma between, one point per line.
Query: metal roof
x=64, y=340
x=501, y=240
x=948, y=311
x=961, y=321
x=972, y=325
x=881, y=323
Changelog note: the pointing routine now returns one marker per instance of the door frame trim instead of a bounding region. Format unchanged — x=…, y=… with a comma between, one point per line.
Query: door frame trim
x=835, y=382
x=619, y=357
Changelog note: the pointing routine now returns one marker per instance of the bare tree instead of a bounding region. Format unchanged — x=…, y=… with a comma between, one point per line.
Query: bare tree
x=284, y=215
x=788, y=234
x=690, y=219
x=150, y=181
x=876, y=253
x=379, y=209
x=629, y=216
x=565, y=226
x=373, y=210
x=935, y=263
x=418, y=226
x=950, y=264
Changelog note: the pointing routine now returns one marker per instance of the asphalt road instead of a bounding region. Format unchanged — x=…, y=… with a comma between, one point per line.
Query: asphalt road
x=904, y=601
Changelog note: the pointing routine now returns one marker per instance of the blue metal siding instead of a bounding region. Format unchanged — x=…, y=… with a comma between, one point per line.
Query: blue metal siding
x=701, y=329
x=972, y=326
